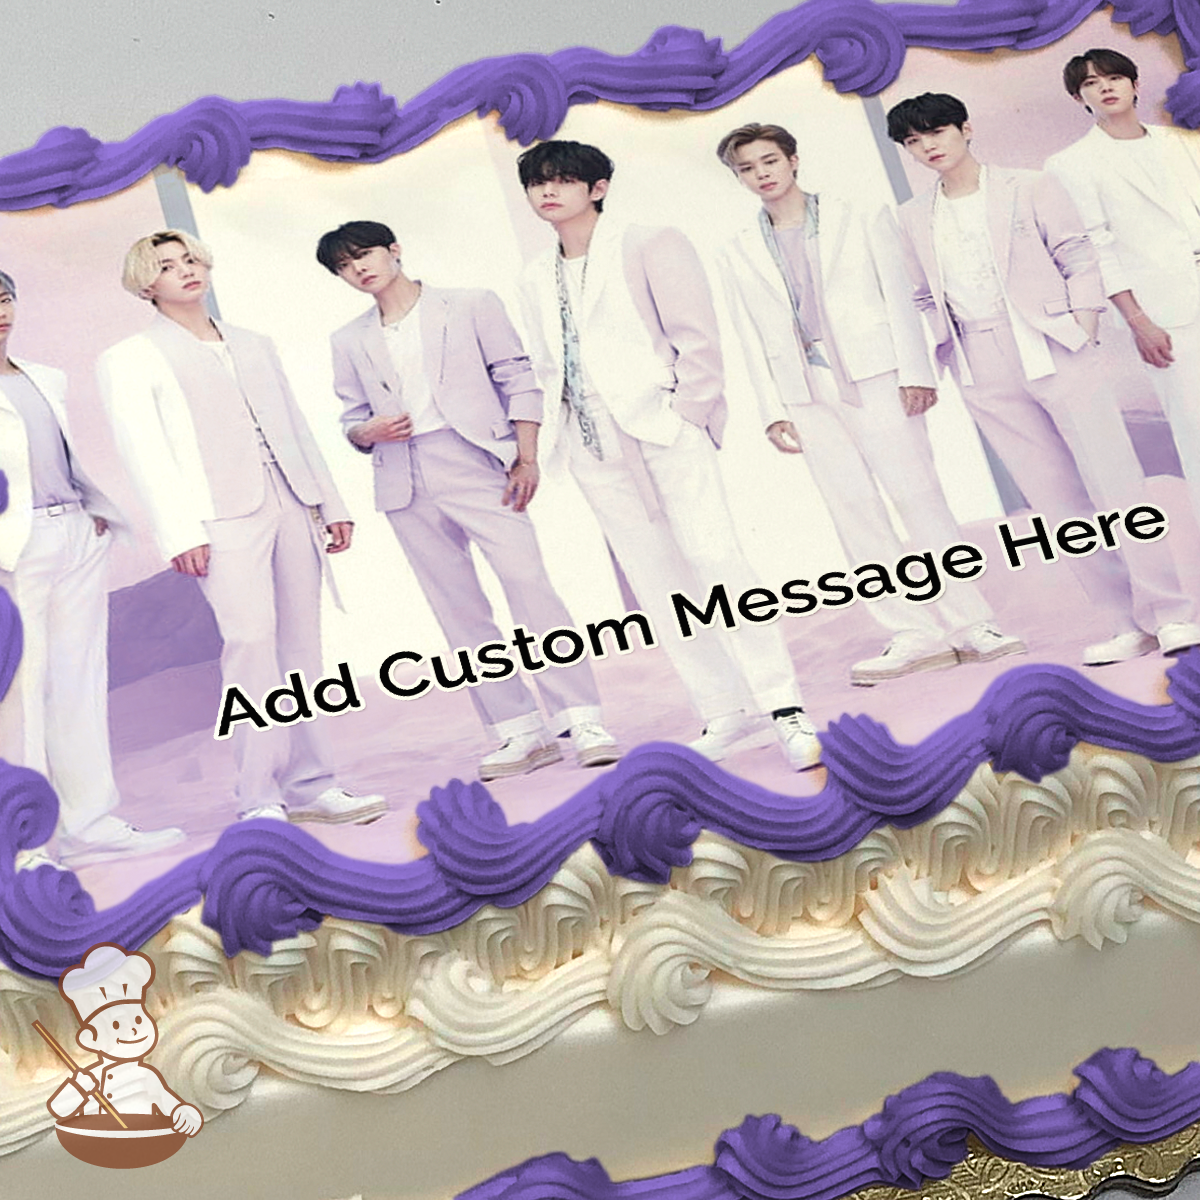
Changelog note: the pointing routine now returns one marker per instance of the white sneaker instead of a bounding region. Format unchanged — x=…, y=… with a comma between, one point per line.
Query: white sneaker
x=797, y=739
x=336, y=806
x=519, y=755
x=1178, y=636
x=110, y=838
x=594, y=745
x=30, y=860
x=1120, y=648
x=984, y=642
x=721, y=734
x=269, y=812
x=909, y=651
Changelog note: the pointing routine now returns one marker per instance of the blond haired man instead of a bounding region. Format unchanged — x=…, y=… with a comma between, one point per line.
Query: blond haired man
x=232, y=480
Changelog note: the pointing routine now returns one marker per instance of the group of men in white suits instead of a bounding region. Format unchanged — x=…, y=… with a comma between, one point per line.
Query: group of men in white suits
x=1010, y=279
x=624, y=384
x=822, y=302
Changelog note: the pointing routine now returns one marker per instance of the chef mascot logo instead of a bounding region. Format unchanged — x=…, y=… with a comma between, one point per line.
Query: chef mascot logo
x=117, y=1110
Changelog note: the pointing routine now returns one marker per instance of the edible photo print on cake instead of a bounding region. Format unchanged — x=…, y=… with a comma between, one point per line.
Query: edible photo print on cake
x=666, y=453
x=615, y=547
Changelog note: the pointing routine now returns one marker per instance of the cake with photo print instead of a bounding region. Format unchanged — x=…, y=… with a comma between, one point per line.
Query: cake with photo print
x=614, y=620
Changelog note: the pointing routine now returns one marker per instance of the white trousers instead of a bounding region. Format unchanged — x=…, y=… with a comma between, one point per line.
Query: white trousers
x=852, y=453
x=264, y=587
x=1064, y=441
x=55, y=717
x=1178, y=389
x=688, y=545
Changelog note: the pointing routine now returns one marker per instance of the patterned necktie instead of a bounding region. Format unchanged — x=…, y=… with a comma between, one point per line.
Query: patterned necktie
x=572, y=392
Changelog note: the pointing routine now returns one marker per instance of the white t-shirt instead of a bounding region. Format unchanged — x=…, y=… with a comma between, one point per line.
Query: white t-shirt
x=406, y=348
x=224, y=356
x=964, y=249
x=50, y=477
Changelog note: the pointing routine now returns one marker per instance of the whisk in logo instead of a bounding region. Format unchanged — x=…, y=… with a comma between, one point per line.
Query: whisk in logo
x=115, y=1110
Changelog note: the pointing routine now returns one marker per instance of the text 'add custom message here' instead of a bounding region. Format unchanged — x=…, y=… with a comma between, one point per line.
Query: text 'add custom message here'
x=919, y=578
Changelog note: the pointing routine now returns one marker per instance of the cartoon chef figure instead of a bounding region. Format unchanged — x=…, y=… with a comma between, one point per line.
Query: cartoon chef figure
x=107, y=991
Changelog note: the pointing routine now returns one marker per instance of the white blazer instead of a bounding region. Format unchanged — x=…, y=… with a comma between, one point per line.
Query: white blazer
x=868, y=299
x=648, y=333
x=154, y=385
x=1142, y=245
x=17, y=520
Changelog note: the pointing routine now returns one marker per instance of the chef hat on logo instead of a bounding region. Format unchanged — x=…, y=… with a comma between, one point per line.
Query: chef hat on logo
x=106, y=976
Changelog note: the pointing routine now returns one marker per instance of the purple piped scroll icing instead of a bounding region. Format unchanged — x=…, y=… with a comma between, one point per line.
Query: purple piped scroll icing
x=920, y=1135
x=860, y=44
x=262, y=882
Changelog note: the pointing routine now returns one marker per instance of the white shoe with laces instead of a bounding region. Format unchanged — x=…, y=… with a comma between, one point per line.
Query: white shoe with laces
x=594, y=745
x=721, y=734
x=336, y=806
x=30, y=860
x=1178, y=636
x=269, y=812
x=797, y=739
x=110, y=838
x=909, y=651
x=984, y=642
x=519, y=755
x=1120, y=648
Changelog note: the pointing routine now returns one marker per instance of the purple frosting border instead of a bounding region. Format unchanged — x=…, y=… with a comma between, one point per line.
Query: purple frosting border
x=262, y=882
x=860, y=44
x=920, y=1134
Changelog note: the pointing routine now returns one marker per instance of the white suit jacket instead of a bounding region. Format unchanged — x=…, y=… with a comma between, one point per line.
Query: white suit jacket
x=867, y=299
x=155, y=385
x=16, y=521
x=1142, y=245
x=648, y=333
x=478, y=371
x=1045, y=260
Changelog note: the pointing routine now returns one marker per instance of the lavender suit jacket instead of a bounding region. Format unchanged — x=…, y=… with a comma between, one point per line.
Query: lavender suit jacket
x=476, y=368
x=1047, y=265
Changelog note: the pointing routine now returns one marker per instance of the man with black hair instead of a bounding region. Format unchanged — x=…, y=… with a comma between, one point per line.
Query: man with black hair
x=625, y=340
x=837, y=359
x=436, y=386
x=1010, y=283
x=1137, y=188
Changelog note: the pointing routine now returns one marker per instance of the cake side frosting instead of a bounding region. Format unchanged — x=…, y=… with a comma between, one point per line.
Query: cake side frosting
x=357, y=1007
x=920, y=1134
x=861, y=46
x=261, y=885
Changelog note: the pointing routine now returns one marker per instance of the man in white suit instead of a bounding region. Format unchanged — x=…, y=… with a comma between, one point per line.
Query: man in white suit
x=54, y=539
x=1005, y=273
x=836, y=354
x=437, y=388
x=625, y=340
x=1137, y=188
x=238, y=496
